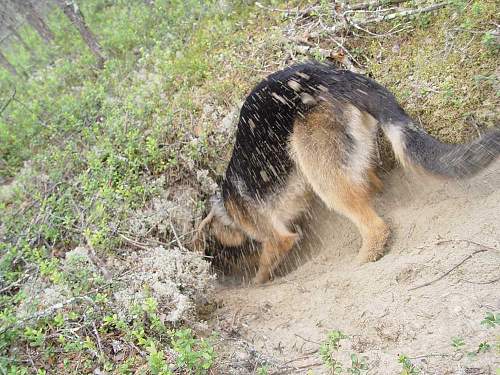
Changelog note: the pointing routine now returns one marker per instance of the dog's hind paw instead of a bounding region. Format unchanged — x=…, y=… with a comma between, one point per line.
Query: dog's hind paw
x=367, y=256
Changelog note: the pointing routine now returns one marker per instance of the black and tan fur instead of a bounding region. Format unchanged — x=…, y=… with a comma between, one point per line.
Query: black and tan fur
x=311, y=129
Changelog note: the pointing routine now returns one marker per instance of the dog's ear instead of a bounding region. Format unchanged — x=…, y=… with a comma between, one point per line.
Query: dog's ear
x=198, y=242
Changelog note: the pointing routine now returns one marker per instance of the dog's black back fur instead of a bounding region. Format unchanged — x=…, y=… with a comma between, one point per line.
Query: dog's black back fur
x=260, y=162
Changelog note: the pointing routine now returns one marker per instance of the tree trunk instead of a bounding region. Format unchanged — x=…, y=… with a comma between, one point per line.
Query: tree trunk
x=34, y=19
x=74, y=14
x=7, y=65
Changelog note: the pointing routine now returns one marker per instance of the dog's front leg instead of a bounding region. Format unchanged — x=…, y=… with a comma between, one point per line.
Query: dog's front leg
x=273, y=252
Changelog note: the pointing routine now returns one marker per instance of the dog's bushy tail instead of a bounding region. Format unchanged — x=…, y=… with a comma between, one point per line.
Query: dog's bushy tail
x=414, y=147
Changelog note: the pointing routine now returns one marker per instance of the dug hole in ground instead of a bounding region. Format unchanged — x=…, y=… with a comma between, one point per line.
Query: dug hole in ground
x=399, y=305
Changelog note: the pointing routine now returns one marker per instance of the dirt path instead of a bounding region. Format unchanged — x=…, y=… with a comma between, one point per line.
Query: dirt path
x=373, y=303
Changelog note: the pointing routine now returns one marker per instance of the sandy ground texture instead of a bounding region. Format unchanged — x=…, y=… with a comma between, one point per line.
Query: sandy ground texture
x=444, y=234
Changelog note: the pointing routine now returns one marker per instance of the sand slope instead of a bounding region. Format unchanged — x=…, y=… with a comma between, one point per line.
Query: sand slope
x=436, y=225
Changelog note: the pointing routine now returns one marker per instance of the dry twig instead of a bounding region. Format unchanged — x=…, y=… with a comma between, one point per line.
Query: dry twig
x=135, y=243
x=374, y=4
x=308, y=340
x=387, y=17
x=177, y=239
x=97, y=262
x=450, y=270
x=98, y=338
x=16, y=283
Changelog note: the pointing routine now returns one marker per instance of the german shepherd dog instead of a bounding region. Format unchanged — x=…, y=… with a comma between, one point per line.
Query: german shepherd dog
x=311, y=129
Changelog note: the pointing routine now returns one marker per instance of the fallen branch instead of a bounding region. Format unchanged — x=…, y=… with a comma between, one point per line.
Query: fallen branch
x=450, y=270
x=404, y=13
x=387, y=17
x=374, y=4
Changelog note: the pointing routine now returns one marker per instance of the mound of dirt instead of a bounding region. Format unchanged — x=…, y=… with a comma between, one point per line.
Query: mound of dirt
x=437, y=282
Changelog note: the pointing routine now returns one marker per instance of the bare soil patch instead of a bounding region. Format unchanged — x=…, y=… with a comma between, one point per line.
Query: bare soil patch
x=448, y=229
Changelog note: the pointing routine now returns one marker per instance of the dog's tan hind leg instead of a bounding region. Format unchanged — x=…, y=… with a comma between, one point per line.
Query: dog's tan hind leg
x=339, y=170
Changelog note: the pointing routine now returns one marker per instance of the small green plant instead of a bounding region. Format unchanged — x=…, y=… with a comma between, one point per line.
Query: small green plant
x=424, y=21
x=262, y=370
x=331, y=345
x=491, y=320
x=327, y=349
x=35, y=337
x=457, y=342
x=483, y=347
x=197, y=355
x=333, y=340
x=490, y=41
x=156, y=361
x=408, y=367
x=358, y=365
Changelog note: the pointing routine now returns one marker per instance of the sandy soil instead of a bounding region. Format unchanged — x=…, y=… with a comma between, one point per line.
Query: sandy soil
x=436, y=225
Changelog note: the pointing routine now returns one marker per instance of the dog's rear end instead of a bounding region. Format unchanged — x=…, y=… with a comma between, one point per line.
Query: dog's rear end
x=311, y=129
